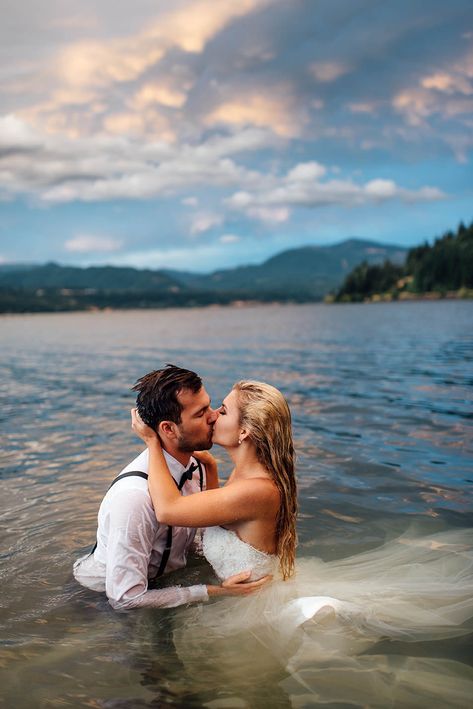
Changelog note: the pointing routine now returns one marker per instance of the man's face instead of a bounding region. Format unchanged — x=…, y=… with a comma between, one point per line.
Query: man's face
x=197, y=421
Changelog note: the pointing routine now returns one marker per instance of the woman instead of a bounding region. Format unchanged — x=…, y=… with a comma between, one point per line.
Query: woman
x=252, y=518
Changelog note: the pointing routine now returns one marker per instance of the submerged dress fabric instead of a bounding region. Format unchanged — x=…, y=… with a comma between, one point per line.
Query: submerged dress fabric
x=324, y=626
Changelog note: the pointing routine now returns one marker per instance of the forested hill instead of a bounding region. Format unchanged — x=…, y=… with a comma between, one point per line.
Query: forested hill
x=110, y=278
x=430, y=270
x=302, y=274
x=312, y=270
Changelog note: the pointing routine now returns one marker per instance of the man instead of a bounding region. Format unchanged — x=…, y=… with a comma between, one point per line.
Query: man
x=133, y=548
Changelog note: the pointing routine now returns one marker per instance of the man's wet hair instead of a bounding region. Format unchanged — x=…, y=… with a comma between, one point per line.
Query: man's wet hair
x=157, y=394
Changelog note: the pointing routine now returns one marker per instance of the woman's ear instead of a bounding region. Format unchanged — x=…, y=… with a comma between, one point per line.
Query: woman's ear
x=242, y=435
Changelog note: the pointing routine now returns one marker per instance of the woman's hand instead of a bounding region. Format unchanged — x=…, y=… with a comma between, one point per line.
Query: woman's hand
x=211, y=469
x=144, y=432
x=205, y=457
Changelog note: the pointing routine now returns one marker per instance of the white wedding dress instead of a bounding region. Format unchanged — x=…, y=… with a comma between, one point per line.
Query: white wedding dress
x=321, y=625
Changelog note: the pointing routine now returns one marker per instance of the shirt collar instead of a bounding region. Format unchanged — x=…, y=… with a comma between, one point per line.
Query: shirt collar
x=175, y=467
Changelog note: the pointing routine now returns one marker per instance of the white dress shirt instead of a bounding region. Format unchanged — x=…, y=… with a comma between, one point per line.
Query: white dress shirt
x=130, y=544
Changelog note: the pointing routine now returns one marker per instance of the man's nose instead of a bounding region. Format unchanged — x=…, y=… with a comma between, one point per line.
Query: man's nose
x=213, y=415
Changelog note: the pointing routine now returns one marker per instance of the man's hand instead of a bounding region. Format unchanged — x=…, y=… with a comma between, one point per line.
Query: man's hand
x=236, y=585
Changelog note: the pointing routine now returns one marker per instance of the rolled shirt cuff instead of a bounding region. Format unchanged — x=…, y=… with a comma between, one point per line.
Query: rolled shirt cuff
x=198, y=593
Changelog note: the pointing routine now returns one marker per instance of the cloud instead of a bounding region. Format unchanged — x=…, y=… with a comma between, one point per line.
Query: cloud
x=448, y=83
x=190, y=201
x=363, y=107
x=124, y=123
x=95, y=82
x=186, y=26
x=88, y=243
x=273, y=199
x=269, y=215
x=275, y=111
x=176, y=72
x=16, y=135
x=61, y=169
x=306, y=172
x=328, y=71
x=445, y=95
x=151, y=93
x=57, y=169
x=204, y=221
x=229, y=239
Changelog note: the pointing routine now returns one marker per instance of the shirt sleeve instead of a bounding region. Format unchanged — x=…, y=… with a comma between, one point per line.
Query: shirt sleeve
x=163, y=598
x=130, y=542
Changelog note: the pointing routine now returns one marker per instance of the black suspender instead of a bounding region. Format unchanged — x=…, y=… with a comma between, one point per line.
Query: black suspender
x=167, y=549
x=130, y=473
x=187, y=475
x=134, y=473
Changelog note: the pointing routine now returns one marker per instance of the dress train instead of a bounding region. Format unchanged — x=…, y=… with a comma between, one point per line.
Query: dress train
x=323, y=628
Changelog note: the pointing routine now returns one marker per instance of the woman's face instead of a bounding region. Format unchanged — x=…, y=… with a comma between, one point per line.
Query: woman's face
x=227, y=427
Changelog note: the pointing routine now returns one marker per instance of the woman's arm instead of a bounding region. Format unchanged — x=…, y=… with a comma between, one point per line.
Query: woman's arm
x=247, y=500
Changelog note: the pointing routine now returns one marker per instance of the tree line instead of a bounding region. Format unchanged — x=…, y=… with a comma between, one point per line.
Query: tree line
x=443, y=267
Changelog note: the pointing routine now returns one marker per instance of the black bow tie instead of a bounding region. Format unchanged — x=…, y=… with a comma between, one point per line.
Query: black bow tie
x=187, y=475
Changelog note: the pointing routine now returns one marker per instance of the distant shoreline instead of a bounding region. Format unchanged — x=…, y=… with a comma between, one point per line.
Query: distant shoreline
x=405, y=297
x=433, y=297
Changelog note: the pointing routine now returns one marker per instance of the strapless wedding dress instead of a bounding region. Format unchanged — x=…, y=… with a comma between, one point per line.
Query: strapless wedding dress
x=415, y=588
x=330, y=615
x=229, y=555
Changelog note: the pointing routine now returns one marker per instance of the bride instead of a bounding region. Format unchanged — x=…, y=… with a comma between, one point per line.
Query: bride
x=410, y=589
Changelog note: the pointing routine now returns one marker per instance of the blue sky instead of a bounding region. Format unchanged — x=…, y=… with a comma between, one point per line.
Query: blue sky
x=201, y=134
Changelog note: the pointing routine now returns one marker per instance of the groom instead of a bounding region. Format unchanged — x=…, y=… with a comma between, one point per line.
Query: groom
x=133, y=549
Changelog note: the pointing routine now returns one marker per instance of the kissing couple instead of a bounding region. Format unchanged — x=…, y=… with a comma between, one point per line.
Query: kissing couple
x=148, y=519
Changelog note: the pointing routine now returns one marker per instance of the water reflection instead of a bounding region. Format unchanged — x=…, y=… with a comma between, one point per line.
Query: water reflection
x=381, y=397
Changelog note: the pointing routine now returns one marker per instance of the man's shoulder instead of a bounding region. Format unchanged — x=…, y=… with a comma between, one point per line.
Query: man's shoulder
x=133, y=477
x=126, y=486
x=128, y=501
x=141, y=462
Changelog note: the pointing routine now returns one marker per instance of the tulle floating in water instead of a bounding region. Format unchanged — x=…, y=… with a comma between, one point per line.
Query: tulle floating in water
x=318, y=628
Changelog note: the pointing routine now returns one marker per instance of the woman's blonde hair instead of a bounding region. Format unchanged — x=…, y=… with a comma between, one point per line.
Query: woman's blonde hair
x=265, y=414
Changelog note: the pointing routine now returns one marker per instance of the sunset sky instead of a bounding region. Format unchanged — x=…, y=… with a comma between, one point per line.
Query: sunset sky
x=199, y=134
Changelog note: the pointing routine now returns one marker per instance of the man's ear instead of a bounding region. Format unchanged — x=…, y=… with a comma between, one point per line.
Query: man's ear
x=167, y=429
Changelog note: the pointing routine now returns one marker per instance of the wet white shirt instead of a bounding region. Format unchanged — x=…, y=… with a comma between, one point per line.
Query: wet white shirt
x=130, y=544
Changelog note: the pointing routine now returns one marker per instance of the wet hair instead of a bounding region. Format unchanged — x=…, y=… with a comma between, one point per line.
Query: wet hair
x=158, y=391
x=265, y=414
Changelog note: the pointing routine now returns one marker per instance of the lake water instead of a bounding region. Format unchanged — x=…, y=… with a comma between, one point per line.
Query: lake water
x=381, y=397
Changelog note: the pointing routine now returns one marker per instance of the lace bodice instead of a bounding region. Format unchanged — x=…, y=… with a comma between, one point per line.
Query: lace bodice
x=229, y=555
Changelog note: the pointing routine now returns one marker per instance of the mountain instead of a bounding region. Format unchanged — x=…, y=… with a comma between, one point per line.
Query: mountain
x=302, y=274
x=313, y=270
x=6, y=267
x=109, y=278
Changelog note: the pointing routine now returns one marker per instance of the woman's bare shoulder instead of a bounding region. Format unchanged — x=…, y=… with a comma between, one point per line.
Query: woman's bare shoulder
x=258, y=487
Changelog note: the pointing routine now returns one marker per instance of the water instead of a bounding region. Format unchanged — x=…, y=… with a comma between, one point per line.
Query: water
x=382, y=403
